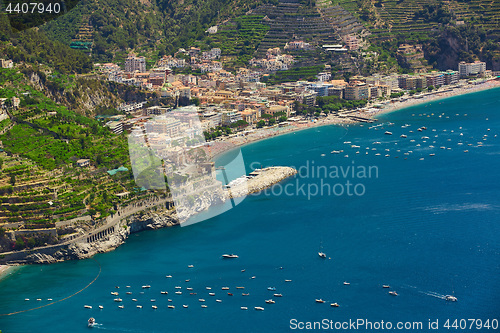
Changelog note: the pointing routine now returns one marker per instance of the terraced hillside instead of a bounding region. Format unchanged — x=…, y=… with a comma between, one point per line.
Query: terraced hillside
x=291, y=20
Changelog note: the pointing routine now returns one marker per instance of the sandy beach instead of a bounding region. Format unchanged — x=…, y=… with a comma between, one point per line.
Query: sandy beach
x=223, y=145
x=4, y=269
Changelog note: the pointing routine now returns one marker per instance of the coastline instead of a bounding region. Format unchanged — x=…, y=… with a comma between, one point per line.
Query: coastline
x=4, y=270
x=218, y=148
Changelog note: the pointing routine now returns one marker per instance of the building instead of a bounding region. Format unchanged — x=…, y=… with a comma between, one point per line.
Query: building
x=320, y=88
x=352, y=42
x=6, y=63
x=421, y=82
x=251, y=116
x=336, y=91
x=435, y=80
x=82, y=163
x=272, y=110
x=324, y=76
x=133, y=63
x=164, y=125
x=357, y=90
x=115, y=126
x=229, y=117
x=451, y=77
x=407, y=82
x=471, y=68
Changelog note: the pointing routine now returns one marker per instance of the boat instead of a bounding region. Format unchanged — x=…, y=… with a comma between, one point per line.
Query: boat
x=403, y=136
x=218, y=300
x=243, y=294
x=244, y=308
x=278, y=295
x=146, y=286
x=270, y=301
x=177, y=287
x=388, y=133
x=114, y=293
x=187, y=280
x=127, y=286
x=171, y=306
x=164, y=292
x=208, y=288
x=450, y=298
x=201, y=300
x=192, y=293
x=189, y=288
x=153, y=300
x=139, y=306
x=26, y=299
x=229, y=294
x=240, y=287
x=154, y=307
x=178, y=292
x=385, y=286
x=225, y=288
x=184, y=305
x=321, y=254
x=190, y=266
x=393, y=293
x=117, y=300
x=346, y=283
x=91, y=322
x=229, y=256
x=288, y=280
x=121, y=306
x=87, y=306
x=335, y=305
x=319, y=300
x=204, y=306
x=259, y=308
x=253, y=277
x=335, y=152
x=39, y=299
x=211, y=294
x=134, y=300
x=101, y=307
x=129, y=293
x=168, y=276
x=271, y=288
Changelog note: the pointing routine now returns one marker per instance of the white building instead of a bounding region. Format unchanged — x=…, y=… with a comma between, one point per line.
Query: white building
x=471, y=68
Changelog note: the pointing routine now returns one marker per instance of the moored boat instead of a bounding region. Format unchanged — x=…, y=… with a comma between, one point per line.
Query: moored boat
x=229, y=256
x=91, y=322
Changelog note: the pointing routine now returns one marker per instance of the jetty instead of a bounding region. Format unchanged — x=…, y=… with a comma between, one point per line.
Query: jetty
x=259, y=180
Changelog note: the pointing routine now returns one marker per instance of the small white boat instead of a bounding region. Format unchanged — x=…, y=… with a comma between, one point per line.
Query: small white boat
x=243, y=294
x=114, y=293
x=450, y=298
x=190, y=266
x=139, y=306
x=101, y=307
x=184, y=306
x=385, y=286
x=244, y=308
x=189, y=288
x=201, y=300
x=187, y=280
x=321, y=254
x=346, y=283
x=39, y=299
x=393, y=293
x=403, y=136
x=270, y=301
x=319, y=300
x=225, y=288
x=240, y=287
x=218, y=300
x=117, y=300
x=204, y=306
x=87, y=306
x=211, y=294
x=388, y=133
x=153, y=300
x=278, y=295
x=177, y=287
x=259, y=308
x=253, y=277
x=335, y=152
x=171, y=306
x=91, y=322
x=168, y=276
x=146, y=286
x=127, y=286
x=208, y=288
x=154, y=307
x=26, y=299
x=335, y=305
x=178, y=292
x=164, y=292
x=288, y=280
x=129, y=293
x=121, y=306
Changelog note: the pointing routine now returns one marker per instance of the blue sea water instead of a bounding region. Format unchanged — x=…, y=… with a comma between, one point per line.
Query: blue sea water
x=427, y=227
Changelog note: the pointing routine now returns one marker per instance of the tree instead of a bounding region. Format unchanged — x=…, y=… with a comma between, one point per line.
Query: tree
x=282, y=119
x=12, y=180
x=261, y=123
x=272, y=121
x=430, y=88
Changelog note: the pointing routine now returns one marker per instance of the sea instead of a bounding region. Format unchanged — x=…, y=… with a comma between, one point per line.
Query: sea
x=420, y=214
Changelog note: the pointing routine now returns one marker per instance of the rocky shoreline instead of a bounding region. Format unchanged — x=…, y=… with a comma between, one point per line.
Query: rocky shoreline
x=140, y=221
